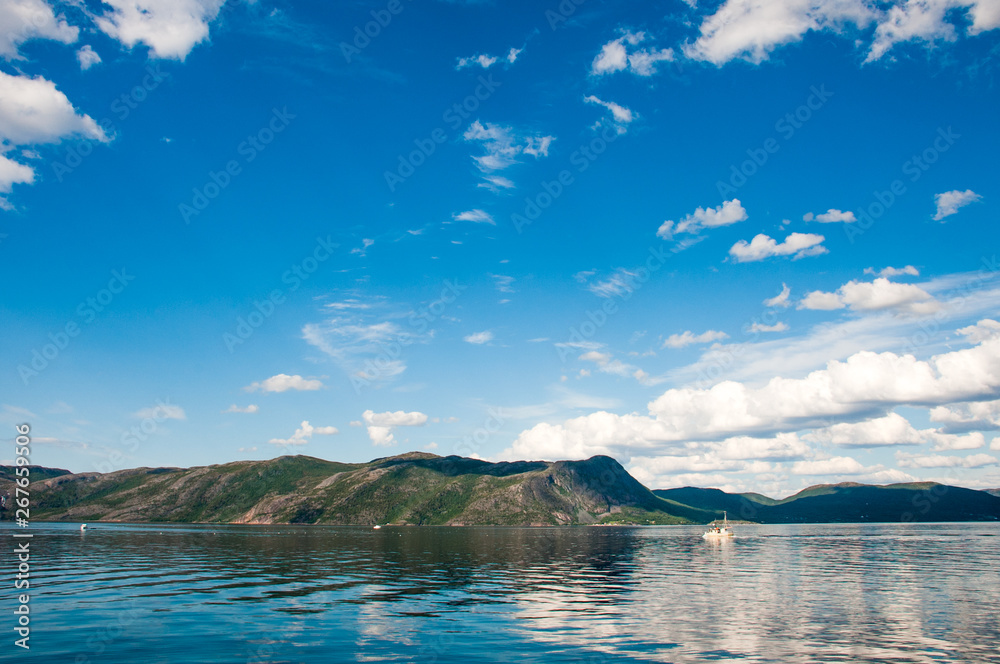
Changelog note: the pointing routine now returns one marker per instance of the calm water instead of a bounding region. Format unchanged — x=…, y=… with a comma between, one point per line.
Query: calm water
x=851, y=593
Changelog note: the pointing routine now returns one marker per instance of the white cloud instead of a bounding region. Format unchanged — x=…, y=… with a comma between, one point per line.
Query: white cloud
x=503, y=282
x=32, y=110
x=926, y=20
x=688, y=337
x=283, y=383
x=982, y=415
x=487, y=61
x=833, y=466
x=87, y=57
x=170, y=28
x=621, y=116
x=479, y=337
x=501, y=146
x=890, y=431
x=252, y=408
x=751, y=29
x=781, y=299
x=894, y=271
x=833, y=216
x=863, y=387
x=161, y=411
x=23, y=20
x=303, y=434
x=484, y=61
x=949, y=202
x=878, y=295
x=820, y=301
x=796, y=245
x=496, y=183
x=938, y=461
x=380, y=425
x=615, y=56
x=984, y=329
x=478, y=216
x=619, y=283
x=760, y=327
x=729, y=212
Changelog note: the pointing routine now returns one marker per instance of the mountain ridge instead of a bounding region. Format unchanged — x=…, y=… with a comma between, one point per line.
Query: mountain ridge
x=420, y=488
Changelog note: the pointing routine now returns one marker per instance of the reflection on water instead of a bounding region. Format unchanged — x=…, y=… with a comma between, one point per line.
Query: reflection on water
x=852, y=593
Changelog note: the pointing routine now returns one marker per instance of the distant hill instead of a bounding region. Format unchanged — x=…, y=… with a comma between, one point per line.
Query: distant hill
x=850, y=503
x=8, y=474
x=414, y=488
x=993, y=492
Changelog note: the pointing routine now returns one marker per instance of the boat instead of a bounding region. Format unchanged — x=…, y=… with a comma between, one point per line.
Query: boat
x=83, y=527
x=376, y=527
x=719, y=532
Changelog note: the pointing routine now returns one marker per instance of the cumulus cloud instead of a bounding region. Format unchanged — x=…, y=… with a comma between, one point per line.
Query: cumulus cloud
x=688, y=337
x=863, y=387
x=729, y=212
x=831, y=216
x=878, y=295
x=33, y=111
x=620, y=115
x=303, y=434
x=24, y=20
x=252, y=408
x=906, y=460
x=890, y=431
x=909, y=270
x=380, y=425
x=760, y=327
x=478, y=216
x=615, y=56
x=796, y=245
x=283, y=383
x=949, y=202
x=781, y=299
x=981, y=415
x=752, y=29
x=170, y=28
x=87, y=57
x=479, y=338
x=927, y=21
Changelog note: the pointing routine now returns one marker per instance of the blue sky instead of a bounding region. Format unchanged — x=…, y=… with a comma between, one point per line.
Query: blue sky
x=737, y=244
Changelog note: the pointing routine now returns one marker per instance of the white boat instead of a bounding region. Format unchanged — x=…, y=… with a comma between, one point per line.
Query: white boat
x=719, y=532
x=83, y=527
x=376, y=527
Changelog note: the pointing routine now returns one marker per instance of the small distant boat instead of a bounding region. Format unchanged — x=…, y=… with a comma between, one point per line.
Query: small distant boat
x=376, y=527
x=719, y=532
x=83, y=526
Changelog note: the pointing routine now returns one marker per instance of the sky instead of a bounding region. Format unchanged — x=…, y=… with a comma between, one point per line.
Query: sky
x=739, y=244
